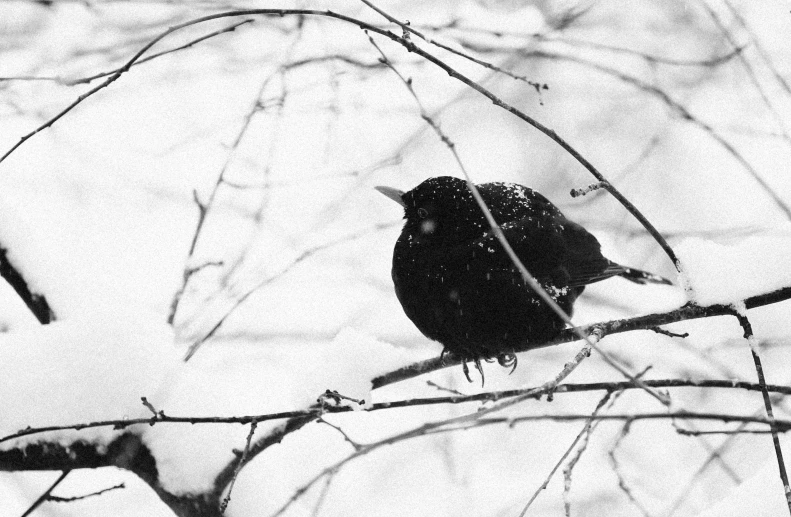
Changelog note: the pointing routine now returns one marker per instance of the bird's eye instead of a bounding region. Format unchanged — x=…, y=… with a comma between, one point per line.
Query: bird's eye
x=422, y=212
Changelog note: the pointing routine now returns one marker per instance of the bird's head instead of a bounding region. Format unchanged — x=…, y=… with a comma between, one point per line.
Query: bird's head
x=440, y=208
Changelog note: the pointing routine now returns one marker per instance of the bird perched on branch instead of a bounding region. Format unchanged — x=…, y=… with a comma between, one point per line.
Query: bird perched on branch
x=460, y=288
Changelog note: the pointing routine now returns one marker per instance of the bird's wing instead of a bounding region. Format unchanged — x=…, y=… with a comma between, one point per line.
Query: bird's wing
x=550, y=248
x=548, y=244
x=583, y=259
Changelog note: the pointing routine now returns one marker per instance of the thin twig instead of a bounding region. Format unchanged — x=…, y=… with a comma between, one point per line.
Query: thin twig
x=323, y=495
x=409, y=29
x=650, y=58
x=411, y=47
x=43, y=497
x=759, y=48
x=555, y=37
x=89, y=79
x=356, y=446
x=205, y=207
x=591, y=425
x=187, y=45
x=583, y=432
x=741, y=316
x=660, y=330
x=750, y=72
x=682, y=111
x=138, y=56
x=266, y=281
x=56, y=499
x=616, y=468
x=242, y=460
x=715, y=455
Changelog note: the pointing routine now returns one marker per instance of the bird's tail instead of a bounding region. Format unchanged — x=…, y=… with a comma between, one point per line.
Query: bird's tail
x=639, y=276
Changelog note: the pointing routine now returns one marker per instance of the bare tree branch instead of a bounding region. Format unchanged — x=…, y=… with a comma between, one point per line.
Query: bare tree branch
x=687, y=312
x=741, y=316
x=37, y=303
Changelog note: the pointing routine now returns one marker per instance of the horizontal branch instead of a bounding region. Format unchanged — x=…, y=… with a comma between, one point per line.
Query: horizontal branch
x=490, y=396
x=647, y=322
x=782, y=425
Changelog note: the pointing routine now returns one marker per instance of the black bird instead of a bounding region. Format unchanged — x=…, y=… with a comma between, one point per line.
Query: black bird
x=459, y=287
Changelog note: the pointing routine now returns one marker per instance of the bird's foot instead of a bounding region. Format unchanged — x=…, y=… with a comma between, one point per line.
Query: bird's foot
x=478, y=366
x=466, y=369
x=506, y=360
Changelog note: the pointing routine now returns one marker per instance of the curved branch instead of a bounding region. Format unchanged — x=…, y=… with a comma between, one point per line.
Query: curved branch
x=410, y=47
x=630, y=207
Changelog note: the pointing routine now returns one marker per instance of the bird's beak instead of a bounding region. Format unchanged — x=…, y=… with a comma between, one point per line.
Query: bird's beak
x=393, y=193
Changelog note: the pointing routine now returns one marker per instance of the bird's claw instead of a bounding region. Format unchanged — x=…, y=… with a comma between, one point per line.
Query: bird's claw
x=466, y=370
x=507, y=360
x=480, y=369
x=478, y=366
x=444, y=355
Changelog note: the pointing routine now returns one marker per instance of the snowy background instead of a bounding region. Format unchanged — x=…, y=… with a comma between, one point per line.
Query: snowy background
x=280, y=129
